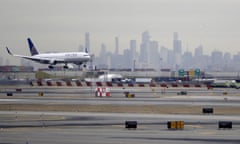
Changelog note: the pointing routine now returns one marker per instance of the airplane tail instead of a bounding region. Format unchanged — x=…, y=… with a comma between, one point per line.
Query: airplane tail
x=32, y=48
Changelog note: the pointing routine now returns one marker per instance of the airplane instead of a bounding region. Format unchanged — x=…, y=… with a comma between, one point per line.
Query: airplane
x=52, y=59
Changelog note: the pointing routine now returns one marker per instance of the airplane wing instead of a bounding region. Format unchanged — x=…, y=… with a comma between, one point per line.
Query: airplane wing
x=37, y=59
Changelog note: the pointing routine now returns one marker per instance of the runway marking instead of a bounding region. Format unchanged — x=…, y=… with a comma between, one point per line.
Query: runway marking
x=195, y=126
x=207, y=133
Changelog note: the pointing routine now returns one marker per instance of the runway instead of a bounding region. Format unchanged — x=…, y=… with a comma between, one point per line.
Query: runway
x=231, y=101
x=77, y=127
x=77, y=116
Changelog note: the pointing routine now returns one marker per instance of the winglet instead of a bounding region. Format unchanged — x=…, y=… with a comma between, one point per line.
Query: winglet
x=32, y=48
x=9, y=52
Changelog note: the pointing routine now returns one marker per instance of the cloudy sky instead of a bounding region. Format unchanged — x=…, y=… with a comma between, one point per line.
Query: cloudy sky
x=60, y=25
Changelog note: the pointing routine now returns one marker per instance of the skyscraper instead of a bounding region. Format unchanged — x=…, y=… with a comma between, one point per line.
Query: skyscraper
x=133, y=51
x=217, y=59
x=87, y=41
x=177, y=50
x=199, y=58
x=177, y=44
x=133, y=48
x=144, y=48
x=199, y=51
x=153, y=55
x=116, y=46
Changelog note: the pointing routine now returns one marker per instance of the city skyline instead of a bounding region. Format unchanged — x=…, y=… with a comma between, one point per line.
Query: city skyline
x=150, y=55
x=60, y=25
x=153, y=56
x=176, y=46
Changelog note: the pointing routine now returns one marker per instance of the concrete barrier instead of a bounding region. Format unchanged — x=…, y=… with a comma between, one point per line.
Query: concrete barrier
x=78, y=83
x=89, y=83
x=59, y=83
x=198, y=85
x=120, y=85
x=141, y=85
x=174, y=85
x=130, y=85
x=68, y=83
x=39, y=83
x=110, y=84
x=99, y=84
x=164, y=85
x=49, y=83
x=18, y=90
x=152, y=85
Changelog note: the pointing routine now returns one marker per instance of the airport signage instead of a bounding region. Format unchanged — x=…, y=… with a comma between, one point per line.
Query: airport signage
x=181, y=72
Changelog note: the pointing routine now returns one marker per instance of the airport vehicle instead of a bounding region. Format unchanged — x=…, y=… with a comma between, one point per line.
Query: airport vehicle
x=114, y=78
x=52, y=59
x=226, y=84
x=143, y=80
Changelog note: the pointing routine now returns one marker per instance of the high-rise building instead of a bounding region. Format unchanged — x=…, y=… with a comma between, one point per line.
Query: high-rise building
x=133, y=52
x=103, y=57
x=164, y=57
x=116, y=46
x=126, y=59
x=227, y=60
x=133, y=48
x=217, y=60
x=103, y=54
x=87, y=41
x=177, y=51
x=198, y=60
x=187, y=60
x=153, y=55
x=177, y=44
x=144, y=49
x=199, y=51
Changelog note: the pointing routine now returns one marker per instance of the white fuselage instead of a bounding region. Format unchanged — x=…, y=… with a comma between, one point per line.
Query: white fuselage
x=77, y=58
x=68, y=57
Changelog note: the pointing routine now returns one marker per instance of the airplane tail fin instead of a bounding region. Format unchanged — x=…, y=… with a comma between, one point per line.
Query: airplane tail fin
x=32, y=48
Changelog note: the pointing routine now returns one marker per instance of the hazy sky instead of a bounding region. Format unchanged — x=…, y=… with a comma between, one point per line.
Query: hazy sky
x=60, y=25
